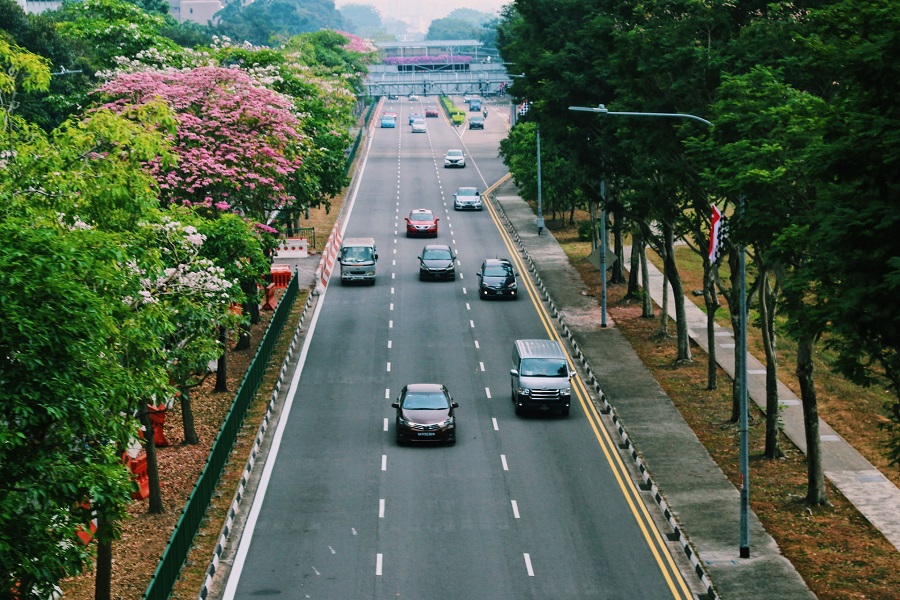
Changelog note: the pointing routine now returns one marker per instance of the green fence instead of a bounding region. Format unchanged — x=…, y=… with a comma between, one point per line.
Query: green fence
x=179, y=545
x=352, y=152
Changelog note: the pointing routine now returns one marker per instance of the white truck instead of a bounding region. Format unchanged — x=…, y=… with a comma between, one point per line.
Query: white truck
x=357, y=259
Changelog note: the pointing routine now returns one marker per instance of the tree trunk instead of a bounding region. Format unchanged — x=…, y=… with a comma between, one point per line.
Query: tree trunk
x=767, y=318
x=634, y=270
x=156, y=505
x=222, y=368
x=816, y=492
x=711, y=299
x=103, y=576
x=617, y=277
x=646, y=299
x=683, y=341
x=187, y=419
x=734, y=303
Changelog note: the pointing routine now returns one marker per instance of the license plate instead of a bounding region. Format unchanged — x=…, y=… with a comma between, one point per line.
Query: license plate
x=426, y=433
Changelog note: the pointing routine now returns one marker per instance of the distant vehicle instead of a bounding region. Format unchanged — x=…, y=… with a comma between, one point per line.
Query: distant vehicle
x=475, y=105
x=413, y=117
x=387, y=121
x=476, y=122
x=421, y=222
x=467, y=198
x=497, y=279
x=418, y=126
x=357, y=260
x=469, y=97
x=414, y=97
x=392, y=97
x=425, y=414
x=390, y=113
x=455, y=158
x=436, y=262
x=431, y=111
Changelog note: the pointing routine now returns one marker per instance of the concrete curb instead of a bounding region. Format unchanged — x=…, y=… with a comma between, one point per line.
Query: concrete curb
x=608, y=409
x=260, y=435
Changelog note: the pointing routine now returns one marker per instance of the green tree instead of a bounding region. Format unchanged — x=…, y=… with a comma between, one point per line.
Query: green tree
x=264, y=21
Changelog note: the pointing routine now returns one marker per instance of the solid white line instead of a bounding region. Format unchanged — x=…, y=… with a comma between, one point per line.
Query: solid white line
x=494, y=421
x=384, y=462
x=515, y=508
x=527, y=565
x=381, y=508
x=378, y=564
x=503, y=462
x=487, y=392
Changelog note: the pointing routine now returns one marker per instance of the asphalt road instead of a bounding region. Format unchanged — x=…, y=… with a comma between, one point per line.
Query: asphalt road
x=520, y=507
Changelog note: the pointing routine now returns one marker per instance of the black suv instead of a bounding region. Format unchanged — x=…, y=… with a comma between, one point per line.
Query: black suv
x=497, y=279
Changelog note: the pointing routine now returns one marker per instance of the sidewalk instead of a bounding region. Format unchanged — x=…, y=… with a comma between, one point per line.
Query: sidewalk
x=680, y=475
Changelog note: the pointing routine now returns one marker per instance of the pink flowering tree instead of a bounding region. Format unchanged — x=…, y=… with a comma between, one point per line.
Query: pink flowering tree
x=237, y=141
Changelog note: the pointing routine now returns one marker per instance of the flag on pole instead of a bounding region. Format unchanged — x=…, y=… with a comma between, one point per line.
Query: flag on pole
x=717, y=233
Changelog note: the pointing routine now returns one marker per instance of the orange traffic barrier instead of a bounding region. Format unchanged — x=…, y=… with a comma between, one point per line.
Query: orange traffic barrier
x=270, y=297
x=84, y=536
x=158, y=419
x=281, y=275
x=138, y=467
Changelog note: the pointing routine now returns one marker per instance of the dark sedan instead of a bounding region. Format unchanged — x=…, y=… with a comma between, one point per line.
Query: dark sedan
x=497, y=279
x=425, y=414
x=437, y=262
x=476, y=122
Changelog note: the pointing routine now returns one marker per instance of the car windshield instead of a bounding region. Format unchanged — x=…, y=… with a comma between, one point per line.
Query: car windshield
x=421, y=217
x=356, y=254
x=438, y=254
x=497, y=271
x=544, y=367
x=454, y=153
x=466, y=192
x=425, y=401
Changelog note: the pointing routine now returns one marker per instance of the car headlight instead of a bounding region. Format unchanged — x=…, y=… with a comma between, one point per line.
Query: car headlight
x=567, y=392
x=514, y=286
x=523, y=391
x=404, y=421
x=448, y=423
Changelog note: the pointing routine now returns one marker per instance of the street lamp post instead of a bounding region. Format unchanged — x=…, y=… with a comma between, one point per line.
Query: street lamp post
x=742, y=333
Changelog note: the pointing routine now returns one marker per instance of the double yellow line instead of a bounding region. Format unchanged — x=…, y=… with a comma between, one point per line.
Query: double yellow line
x=670, y=571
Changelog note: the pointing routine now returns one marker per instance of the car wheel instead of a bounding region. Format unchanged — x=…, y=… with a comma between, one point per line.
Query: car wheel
x=518, y=410
x=564, y=412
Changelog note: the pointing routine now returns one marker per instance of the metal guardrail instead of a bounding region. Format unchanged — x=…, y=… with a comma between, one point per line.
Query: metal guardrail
x=176, y=552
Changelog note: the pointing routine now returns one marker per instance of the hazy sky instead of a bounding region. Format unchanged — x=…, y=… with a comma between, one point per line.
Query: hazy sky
x=419, y=13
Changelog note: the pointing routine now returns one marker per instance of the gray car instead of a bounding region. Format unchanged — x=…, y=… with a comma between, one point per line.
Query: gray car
x=437, y=262
x=467, y=198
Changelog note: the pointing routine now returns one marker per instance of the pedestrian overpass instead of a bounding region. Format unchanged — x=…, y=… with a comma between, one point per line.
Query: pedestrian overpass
x=453, y=67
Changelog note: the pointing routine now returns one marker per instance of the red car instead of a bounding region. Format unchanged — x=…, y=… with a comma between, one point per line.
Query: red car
x=421, y=222
x=431, y=111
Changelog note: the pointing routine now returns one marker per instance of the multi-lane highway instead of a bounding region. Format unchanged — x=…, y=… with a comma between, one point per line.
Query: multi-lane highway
x=520, y=507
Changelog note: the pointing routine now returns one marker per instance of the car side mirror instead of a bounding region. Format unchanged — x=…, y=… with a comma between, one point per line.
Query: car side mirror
x=478, y=275
x=376, y=256
x=454, y=405
x=395, y=405
x=514, y=372
x=571, y=374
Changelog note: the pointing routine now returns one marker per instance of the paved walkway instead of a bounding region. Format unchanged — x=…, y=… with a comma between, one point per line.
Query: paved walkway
x=681, y=476
x=876, y=497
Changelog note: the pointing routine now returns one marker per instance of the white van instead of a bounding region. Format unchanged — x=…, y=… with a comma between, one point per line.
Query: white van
x=357, y=259
x=541, y=377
